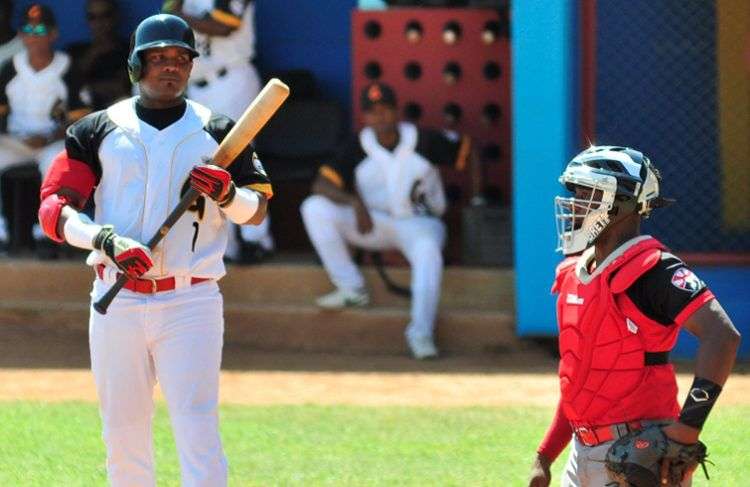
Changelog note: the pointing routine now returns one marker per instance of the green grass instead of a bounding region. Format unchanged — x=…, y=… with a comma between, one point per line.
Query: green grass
x=60, y=445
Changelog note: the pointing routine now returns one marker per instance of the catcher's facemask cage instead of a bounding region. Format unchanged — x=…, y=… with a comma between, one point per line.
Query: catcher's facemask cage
x=621, y=180
x=162, y=30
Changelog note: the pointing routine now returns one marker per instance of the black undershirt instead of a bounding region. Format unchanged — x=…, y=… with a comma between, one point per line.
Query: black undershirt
x=666, y=289
x=160, y=118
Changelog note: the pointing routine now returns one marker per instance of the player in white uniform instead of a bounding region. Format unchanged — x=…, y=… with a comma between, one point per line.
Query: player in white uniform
x=383, y=191
x=37, y=98
x=166, y=324
x=224, y=77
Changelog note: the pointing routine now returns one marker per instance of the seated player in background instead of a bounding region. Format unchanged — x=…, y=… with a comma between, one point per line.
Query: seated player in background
x=622, y=299
x=383, y=191
x=37, y=99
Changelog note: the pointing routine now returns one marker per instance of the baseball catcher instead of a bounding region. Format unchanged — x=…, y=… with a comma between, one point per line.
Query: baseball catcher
x=622, y=299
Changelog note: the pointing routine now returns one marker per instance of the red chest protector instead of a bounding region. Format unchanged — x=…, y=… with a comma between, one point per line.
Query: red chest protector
x=604, y=342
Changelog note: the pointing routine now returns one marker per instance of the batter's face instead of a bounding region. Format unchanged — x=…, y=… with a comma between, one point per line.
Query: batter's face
x=383, y=118
x=165, y=73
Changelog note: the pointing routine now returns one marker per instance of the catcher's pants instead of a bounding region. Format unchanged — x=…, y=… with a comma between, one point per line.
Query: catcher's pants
x=174, y=337
x=585, y=467
x=331, y=226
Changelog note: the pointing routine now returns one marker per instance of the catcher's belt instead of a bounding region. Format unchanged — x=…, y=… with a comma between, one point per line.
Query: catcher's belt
x=596, y=435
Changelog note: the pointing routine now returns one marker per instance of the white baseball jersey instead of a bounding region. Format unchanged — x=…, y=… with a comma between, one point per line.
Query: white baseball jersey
x=402, y=182
x=37, y=102
x=222, y=53
x=142, y=172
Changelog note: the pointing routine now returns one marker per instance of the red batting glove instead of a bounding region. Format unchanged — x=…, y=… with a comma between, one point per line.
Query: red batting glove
x=212, y=181
x=131, y=257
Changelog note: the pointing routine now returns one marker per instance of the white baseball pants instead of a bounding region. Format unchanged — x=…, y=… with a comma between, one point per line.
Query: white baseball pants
x=174, y=337
x=331, y=227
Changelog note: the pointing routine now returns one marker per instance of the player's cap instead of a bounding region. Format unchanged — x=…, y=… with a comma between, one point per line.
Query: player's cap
x=38, y=19
x=377, y=93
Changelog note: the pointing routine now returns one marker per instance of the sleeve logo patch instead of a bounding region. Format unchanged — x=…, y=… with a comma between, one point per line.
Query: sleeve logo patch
x=683, y=278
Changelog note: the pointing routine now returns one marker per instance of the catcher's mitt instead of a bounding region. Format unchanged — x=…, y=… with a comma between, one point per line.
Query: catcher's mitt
x=636, y=460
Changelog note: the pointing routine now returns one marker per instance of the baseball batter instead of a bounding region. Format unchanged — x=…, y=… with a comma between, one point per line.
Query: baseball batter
x=622, y=300
x=383, y=191
x=166, y=325
x=224, y=79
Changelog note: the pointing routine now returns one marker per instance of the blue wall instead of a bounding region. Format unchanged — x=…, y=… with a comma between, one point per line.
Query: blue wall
x=314, y=35
x=543, y=95
x=657, y=89
x=292, y=34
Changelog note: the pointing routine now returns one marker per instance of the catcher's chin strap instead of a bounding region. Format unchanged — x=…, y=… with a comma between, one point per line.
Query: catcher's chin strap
x=398, y=290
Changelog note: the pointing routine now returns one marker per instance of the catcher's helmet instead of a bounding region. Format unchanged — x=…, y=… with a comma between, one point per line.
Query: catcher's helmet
x=162, y=30
x=622, y=181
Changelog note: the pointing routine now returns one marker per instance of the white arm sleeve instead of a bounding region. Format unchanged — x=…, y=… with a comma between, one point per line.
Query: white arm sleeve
x=243, y=206
x=79, y=231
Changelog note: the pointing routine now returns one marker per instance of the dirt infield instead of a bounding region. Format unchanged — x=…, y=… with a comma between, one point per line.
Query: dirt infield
x=56, y=369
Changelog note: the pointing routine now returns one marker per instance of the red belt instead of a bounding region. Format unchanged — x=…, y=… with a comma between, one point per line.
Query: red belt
x=149, y=286
x=596, y=435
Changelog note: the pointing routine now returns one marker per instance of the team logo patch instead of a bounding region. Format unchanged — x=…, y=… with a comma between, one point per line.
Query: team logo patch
x=641, y=444
x=683, y=278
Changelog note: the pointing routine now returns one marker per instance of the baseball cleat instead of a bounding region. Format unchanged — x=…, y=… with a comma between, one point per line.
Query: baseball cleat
x=422, y=347
x=341, y=298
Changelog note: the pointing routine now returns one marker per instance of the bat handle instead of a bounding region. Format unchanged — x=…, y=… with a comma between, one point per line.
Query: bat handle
x=187, y=199
x=104, y=302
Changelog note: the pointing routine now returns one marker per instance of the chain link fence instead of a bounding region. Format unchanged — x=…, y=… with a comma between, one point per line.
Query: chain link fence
x=673, y=80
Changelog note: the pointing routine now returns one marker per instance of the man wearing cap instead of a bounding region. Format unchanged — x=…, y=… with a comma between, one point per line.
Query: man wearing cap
x=37, y=98
x=138, y=157
x=383, y=191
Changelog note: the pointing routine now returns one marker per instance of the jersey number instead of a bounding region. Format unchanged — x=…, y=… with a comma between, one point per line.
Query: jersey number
x=197, y=226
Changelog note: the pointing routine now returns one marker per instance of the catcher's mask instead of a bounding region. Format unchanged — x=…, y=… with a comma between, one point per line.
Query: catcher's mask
x=162, y=30
x=607, y=182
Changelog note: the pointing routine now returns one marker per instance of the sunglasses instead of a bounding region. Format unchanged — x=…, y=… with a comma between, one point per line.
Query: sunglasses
x=35, y=30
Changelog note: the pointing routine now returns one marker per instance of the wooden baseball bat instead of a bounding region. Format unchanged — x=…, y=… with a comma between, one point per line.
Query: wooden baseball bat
x=247, y=127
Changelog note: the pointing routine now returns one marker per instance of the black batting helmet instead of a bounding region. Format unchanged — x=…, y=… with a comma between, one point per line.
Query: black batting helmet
x=162, y=30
